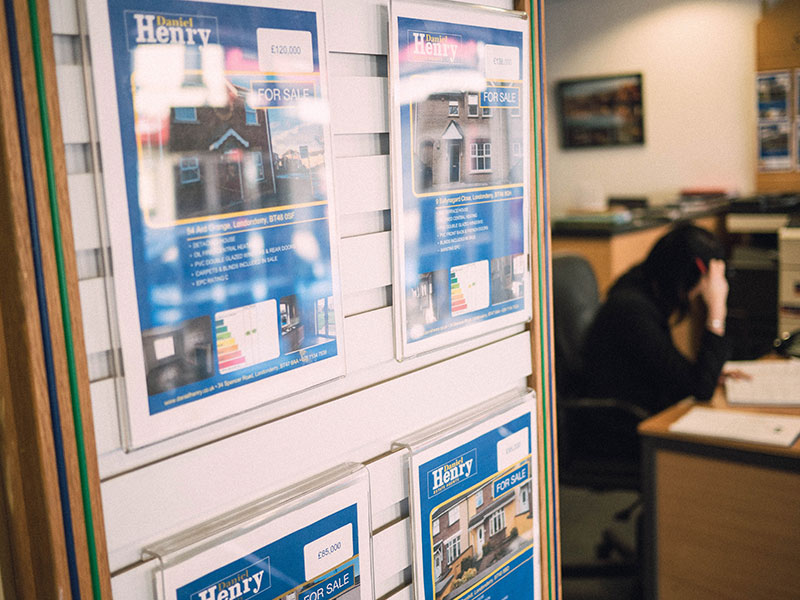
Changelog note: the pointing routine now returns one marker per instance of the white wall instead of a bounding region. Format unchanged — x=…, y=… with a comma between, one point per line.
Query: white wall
x=697, y=60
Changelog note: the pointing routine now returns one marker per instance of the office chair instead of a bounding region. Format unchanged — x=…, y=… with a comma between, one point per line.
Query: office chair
x=598, y=447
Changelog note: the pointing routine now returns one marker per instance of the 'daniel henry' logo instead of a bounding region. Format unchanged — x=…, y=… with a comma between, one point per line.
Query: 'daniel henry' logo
x=453, y=471
x=239, y=587
x=434, y=47
x=162, y=28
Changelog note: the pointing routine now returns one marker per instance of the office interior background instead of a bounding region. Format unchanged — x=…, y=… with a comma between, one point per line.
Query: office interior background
x=698, y=61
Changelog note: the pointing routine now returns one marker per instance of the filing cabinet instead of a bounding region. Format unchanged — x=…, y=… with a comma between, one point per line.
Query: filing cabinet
x=788, y=280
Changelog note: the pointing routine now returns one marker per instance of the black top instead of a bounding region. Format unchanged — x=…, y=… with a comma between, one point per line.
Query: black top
x=629, y=354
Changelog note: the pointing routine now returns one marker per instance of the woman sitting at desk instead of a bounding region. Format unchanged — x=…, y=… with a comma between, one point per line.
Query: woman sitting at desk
x=628, y=352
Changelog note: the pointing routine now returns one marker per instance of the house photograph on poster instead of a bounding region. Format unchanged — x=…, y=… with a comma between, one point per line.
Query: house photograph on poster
x=476, y=532
x=460, y=143
x=226, y=159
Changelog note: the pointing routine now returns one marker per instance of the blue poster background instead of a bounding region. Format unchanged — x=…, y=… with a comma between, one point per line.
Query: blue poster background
x=228, y=202
x=278, y=568
x=463, y=177
x=469, y=501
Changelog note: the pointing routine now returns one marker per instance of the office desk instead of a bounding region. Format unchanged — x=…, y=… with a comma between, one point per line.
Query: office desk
x=613, y=251
x=722, y=518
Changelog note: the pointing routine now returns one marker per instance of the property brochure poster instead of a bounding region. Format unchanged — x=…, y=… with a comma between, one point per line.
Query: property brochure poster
x=774, y=93
x=774, y=121
x=797, y=144
x=317, y=551
x=797, y=93
x=797, y=119
x=217, y=172
x=474, y=508
x=460, y=147
x=774, y=146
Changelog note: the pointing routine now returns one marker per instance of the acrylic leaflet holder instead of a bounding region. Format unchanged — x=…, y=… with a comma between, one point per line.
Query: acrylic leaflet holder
x=310, y=541
x=473, y=500
x=461, y=192
x=218, y=178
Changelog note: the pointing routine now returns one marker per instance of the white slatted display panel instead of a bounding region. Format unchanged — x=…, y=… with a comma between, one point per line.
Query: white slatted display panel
x=155, y=491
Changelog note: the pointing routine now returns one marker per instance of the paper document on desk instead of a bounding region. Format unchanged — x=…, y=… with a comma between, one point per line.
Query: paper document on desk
x=775, y=430
x=772, y=383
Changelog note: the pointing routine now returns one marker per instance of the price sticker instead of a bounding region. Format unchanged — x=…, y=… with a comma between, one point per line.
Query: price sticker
x=501, y=62
x=284, y=51
x=330, y=550
x=512, y=449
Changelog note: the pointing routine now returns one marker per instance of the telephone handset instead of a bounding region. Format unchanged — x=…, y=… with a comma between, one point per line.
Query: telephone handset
x=788, y=345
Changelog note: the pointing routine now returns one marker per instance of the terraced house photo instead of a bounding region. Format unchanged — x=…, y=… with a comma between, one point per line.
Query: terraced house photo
x=476, y=532
x=459, y=143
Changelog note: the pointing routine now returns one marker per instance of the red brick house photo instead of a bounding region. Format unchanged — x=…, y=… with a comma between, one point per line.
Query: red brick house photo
x=207, y=160
x=459, y=144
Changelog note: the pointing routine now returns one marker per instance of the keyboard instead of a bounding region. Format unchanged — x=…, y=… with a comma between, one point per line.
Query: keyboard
x=773, y=383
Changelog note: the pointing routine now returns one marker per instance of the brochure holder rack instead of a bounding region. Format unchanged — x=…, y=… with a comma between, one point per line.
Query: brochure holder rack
x=312, y=538
x=777, y=75
x=474, y=512
x=66, y=385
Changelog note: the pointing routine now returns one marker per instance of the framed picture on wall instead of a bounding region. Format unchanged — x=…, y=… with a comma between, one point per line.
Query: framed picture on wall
x=601, y=111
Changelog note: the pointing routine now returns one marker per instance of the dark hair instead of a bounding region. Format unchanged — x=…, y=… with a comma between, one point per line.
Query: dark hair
x=676, y=263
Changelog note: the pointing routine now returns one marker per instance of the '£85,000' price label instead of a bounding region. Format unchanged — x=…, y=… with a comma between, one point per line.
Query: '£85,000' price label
x=330, y=550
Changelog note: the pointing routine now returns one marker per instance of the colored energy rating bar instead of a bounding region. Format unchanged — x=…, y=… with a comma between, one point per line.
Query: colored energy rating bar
x=247, y=335
x=457, y=301
x=228, y=353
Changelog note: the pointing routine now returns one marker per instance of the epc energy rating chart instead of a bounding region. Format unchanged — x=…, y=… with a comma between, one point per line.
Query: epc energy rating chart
x=247, y=336
x=469, y=287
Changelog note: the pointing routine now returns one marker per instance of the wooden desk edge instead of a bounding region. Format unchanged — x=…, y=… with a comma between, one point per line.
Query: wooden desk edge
x=657, y=426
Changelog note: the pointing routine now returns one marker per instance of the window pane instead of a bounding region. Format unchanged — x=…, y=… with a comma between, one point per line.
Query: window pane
x=251, y=116
x=453, y=547
x=187, y=114
x=331, y=321
x=190, y=169
x=320, y=310
x=258, y=161
x=452, y=515
x=480, y=156
x=497, y=522
x=472, y=105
